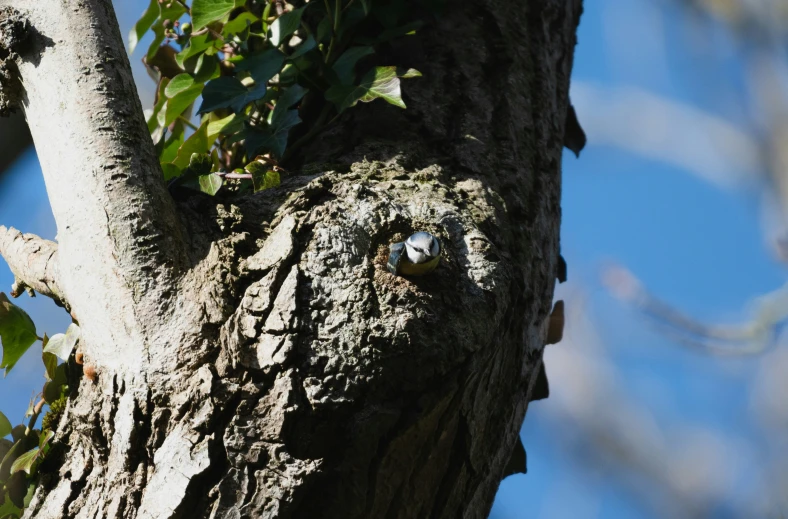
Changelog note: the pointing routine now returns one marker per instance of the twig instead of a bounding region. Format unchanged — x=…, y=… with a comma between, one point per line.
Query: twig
x=188, y=123
x=34, y=417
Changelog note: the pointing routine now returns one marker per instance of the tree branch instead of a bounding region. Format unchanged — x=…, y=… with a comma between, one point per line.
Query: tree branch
x=33, y=261
x=121, y=246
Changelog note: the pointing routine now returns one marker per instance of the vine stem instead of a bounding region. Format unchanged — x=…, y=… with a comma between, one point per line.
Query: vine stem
x=234, y=176
x=188, y=123
x=34, y=417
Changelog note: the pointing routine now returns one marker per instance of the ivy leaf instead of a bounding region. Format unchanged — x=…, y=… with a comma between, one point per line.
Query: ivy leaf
x=210, y=183
x=170, y=171
x=207, y=11
x=196, y=143
x=229, y=92
x=53, y=389
x=169, y=152
x=275, y=138
x=153, y=120
x=17, y=332
x=202, y=43
x=346, y=63
x=324, y=30
x=182, y=101
x=263, y=66
x=285, y=25
x=198, y=174
x=25, y=461
x=50, y=364
x=304, y=47
x=5, y=426
x=178, y=84
x=8, y=510
x=142, y=25
x=8, y=459
x=262, y=177
x=380, y=82
x=63, y=344
x=199, y=164
x=230, y=124
x=291, y=96
x=239, y=26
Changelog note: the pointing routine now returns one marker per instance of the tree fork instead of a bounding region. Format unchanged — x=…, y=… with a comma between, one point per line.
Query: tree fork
x=253, y=356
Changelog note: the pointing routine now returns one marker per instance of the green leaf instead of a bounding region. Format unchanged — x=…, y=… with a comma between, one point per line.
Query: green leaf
x=207, y=11
x=199, y=164
x=262, y=177
x=183, y=100
x=25, y=461
x=17, y=332
x=198, y=45
x=153, y=120
x=5, y=426
x=273, y=139
x=170, y=171
x=263, y=66
x=239, y=26
x=143, y=24
x=285, y=25
x=210, y=183
x=229, y=92
x=378, y=83
x=198, y=174
x=8, y=510
x=407, y=73
x=53, y=389
x=196, y=143
x=178, y=84
x=291, y=96
x=169, y=151
x=303, y=48
x=8, y=459
x=230, y=124
x=50, y=364
x=346, y=63
x=207, y=68
x=324, y=30
x=63, y=344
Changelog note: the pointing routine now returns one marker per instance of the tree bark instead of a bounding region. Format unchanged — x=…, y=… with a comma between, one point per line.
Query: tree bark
x=254, y=358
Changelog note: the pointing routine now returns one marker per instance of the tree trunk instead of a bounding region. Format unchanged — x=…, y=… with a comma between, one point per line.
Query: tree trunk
x=253, y=356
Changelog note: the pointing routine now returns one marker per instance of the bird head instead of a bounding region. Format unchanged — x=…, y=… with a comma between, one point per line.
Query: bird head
x=422, y=247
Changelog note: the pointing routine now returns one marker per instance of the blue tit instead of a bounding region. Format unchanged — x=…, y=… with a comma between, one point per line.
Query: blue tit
x=416, y=256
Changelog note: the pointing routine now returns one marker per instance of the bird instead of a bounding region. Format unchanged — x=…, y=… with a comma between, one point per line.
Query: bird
x=416, y=256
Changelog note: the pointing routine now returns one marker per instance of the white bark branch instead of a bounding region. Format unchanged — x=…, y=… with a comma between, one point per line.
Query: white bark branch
x=33, y=261
x=121, y=246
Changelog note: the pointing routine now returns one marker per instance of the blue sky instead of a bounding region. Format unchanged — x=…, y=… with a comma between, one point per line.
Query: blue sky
x=695, y=242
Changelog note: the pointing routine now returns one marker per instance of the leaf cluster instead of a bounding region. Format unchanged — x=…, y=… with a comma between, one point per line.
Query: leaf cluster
x=258, y=73
x=22, y=453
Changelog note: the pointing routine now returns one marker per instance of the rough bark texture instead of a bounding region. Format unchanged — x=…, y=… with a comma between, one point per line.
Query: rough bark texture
x=254, y=357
